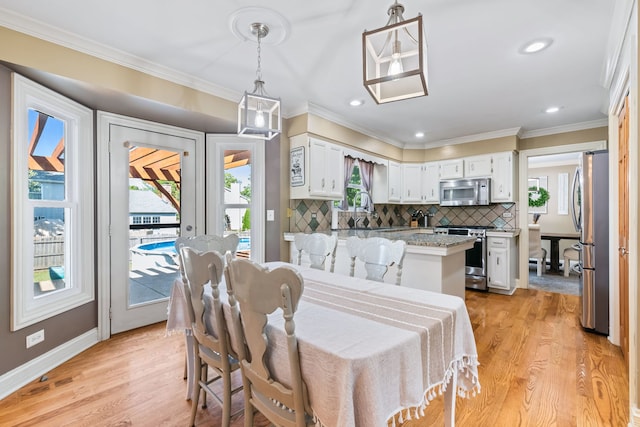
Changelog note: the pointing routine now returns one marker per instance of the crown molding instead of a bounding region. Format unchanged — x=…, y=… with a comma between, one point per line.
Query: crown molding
x=473, y=138
x=566, y=128
x=48, y=33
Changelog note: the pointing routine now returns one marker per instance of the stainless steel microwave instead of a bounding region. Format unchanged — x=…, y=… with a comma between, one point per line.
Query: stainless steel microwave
x=465, y=192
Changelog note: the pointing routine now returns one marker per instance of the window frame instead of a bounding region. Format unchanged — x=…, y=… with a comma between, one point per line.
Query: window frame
x=26, y=309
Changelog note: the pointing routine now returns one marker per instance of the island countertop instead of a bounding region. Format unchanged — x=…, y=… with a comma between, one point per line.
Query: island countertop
x=422, y=237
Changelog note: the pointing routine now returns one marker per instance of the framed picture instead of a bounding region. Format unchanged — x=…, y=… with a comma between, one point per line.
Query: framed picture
x=297, y=166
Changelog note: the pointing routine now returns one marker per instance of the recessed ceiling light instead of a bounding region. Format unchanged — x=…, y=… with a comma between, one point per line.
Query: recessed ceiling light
x=356, y=102
x=536, y=45
x=419, y=134
x=551, y=110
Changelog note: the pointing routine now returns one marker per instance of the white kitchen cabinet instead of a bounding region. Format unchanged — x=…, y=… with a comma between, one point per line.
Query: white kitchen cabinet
x=450, y=169
x=323, y=169
x=501, y=269
x=503, y=182
x=477, y=166
x=431, y=182
x=411, y=183
x=395, y=182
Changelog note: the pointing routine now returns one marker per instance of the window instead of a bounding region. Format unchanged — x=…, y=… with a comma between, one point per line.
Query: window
x=136, y=220
x=52, y=257
x=356, y=192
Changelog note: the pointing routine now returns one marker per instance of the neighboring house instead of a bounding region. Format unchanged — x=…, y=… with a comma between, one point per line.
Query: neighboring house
x=234, y=216
x=147, y=207
x=47, y=185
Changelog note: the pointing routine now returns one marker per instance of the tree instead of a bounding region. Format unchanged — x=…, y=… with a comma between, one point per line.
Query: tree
x=246, y=192
x=229, y=179
x=246, y=220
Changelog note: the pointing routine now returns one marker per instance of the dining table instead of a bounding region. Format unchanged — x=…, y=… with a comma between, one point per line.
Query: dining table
x=371, y=354
x=554, y=239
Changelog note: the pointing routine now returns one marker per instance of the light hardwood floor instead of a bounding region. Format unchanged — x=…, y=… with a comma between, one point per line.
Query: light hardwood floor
x=538, y=368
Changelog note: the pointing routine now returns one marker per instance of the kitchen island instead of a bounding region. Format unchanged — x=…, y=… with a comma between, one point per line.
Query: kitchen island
x=432, y=262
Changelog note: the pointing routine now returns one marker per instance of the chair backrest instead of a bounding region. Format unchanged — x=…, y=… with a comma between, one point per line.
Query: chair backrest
x=535, y=242
x=201, y=268
x=208, y=242
x=318, y=246
x=259, y=292
x=378, y=254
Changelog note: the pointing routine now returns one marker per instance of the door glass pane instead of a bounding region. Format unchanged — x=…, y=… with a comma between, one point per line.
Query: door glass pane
x=237, y=197
x=154, y=223
x=46, y=157
x=48, y=251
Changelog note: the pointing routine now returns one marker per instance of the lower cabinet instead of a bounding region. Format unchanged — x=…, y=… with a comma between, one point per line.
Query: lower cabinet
x=502, y=257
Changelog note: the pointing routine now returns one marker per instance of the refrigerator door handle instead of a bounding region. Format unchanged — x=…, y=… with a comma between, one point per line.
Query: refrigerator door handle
x=574, y=216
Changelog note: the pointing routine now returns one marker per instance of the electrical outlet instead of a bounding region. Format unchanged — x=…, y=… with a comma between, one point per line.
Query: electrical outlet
x=314, y=215
x=270, y=215
x=506, y=214
x=35, y=338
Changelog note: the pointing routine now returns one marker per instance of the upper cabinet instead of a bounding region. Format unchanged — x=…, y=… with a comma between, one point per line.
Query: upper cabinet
x=450, y=169
x=317, y=169
x=394, y=193
x=431, y=182
x=477, y=166
x=411, y=183
x=503, y=178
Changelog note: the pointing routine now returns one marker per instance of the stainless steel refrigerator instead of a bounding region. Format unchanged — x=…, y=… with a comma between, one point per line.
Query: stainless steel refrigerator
x=590, y=209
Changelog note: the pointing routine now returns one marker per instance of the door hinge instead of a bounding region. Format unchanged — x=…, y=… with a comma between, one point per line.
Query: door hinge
x=110, y=313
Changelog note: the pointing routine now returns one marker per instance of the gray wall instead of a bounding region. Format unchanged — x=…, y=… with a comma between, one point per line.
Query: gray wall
x=58, y=329
x=73, y=323
x=273, y=233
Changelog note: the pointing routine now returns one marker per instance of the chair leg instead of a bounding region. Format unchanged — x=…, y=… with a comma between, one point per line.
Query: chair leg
x=204, y=377
x=196, y=393
x=226, y=402
x=539, y=269
x=567, y=267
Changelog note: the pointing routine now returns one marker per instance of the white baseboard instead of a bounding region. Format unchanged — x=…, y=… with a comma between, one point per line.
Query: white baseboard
x=24, y=374
x=635, y=416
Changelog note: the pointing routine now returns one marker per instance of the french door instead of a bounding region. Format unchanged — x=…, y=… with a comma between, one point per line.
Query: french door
x=153, y=198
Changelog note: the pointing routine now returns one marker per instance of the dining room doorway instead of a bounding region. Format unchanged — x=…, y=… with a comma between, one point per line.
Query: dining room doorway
x=153, y=198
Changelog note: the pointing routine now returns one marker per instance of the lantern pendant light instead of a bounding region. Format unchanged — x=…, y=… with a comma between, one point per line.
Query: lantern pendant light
x=395, y=58
x=258, y=113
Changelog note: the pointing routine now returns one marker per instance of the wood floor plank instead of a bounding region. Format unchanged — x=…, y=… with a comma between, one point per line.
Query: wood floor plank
x=537, y=368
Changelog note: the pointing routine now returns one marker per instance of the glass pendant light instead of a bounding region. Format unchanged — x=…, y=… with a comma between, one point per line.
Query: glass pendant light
x=258, y=113
x=395, y=57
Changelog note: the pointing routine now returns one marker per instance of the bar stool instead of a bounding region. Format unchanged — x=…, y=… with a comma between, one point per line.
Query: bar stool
x=570, y=254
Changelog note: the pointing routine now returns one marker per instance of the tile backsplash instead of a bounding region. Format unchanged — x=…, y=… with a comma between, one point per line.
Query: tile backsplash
x=315, y=215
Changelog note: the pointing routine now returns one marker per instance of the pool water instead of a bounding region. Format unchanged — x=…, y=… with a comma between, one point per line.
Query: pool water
x=168, y=246
x=164, y=246
x=244, y=244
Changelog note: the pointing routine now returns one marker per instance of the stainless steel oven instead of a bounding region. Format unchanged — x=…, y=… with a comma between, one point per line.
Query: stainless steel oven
x=476, y=257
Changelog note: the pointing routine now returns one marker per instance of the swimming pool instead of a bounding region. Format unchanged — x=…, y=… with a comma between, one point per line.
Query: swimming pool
x=163, y=253
x=154, y=254
x=244, y=244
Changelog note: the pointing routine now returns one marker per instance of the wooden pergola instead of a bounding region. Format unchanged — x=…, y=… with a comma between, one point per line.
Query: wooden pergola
x=152, y=165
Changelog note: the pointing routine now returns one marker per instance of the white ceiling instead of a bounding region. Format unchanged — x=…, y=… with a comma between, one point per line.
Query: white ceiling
x=479, y=83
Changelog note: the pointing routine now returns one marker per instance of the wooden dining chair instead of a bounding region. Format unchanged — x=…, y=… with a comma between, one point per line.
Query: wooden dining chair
x=212, y=348
x=536, y=251
x=203, y=243
x=378, y=254
x=318, y=247
x=209, y=242
x=260, y=292
x=572, y=253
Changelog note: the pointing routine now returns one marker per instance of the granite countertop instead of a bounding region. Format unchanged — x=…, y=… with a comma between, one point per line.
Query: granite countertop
x=413, y=236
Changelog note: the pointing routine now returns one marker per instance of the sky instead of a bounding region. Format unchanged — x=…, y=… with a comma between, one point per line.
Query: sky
x=53, y=132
